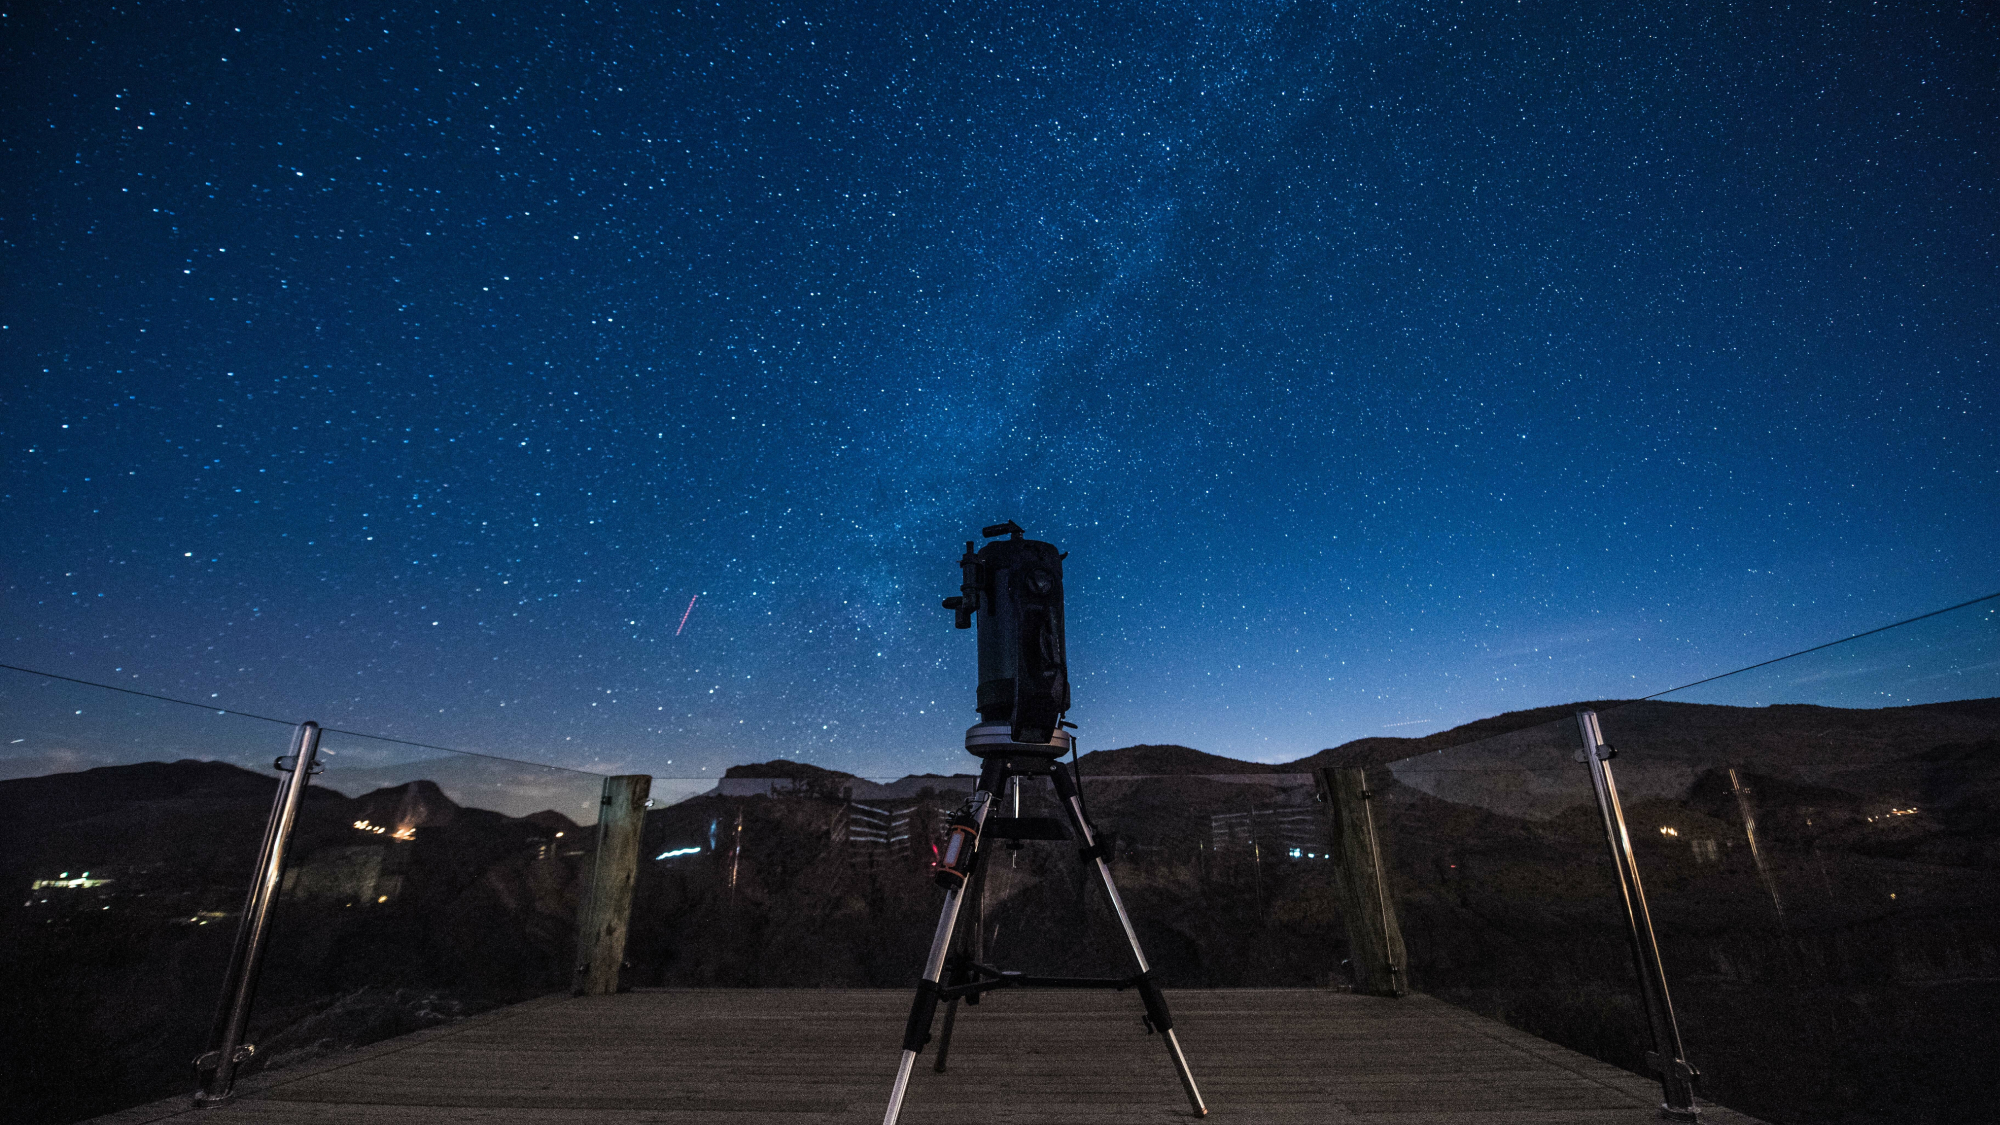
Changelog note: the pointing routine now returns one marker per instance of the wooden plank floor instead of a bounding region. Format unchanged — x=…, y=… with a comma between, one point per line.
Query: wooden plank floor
x=1019, y=1058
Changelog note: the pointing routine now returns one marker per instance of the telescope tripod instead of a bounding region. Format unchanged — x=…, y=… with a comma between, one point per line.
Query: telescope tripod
x=952, y=978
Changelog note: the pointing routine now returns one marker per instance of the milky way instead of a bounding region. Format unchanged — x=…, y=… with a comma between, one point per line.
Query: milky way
x=1380, y=366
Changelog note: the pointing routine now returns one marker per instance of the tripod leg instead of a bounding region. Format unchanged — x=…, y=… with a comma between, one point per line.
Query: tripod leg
x=1157, y=1015
x=960, y=971
x=924, y=1007
x=944, y=1037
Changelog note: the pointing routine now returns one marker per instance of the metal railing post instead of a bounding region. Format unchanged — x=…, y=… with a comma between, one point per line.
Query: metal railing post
x=1668, y=1057
x=226, y=1048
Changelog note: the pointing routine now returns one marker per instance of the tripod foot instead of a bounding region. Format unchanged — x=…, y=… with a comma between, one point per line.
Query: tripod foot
x=1186, y=1076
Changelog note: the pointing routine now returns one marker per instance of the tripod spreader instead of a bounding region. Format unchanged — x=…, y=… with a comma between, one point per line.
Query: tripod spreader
x=986, y=979
x=990, y=978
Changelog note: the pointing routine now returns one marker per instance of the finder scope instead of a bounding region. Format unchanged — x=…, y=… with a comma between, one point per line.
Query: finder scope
x=1013, y=588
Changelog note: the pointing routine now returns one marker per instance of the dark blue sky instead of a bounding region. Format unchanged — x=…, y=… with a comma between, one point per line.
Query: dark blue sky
x=1381, y=366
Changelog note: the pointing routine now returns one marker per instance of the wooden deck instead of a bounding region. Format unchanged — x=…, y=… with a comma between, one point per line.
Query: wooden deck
x=1261, y=1056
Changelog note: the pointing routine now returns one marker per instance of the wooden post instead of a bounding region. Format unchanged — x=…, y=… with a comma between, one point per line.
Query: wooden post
x=606, y=916
x=1374, y=940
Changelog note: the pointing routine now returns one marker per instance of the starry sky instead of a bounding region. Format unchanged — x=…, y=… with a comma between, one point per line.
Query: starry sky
x=1382, y=366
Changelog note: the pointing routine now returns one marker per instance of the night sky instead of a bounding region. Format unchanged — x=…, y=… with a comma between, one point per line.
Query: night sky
x=1382, y=366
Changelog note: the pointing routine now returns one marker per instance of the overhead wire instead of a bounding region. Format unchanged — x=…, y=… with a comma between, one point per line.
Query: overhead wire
x=289, y=723
x=1816, y=648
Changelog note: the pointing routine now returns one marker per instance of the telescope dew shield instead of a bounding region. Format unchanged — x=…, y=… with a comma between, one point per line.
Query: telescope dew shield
x=961, y=844
x=1013, y=588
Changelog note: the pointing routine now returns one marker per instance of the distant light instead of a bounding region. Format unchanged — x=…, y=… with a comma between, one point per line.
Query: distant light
x=678, y=851
x=64, y=882
x=1670, y=831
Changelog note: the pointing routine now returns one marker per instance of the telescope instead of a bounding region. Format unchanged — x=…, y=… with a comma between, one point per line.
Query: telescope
x=1012, y=589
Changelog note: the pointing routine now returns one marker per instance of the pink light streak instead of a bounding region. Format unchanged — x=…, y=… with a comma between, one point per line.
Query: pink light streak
x=684, y=616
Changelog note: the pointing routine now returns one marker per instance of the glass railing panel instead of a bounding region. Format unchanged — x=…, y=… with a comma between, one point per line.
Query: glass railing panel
x=1823, y=885
x=1227, y=876
x=128, y=832
x=422, y=886
x=1227, y=880
x=357, y=765
x=1507, y=899
x=810, y=881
